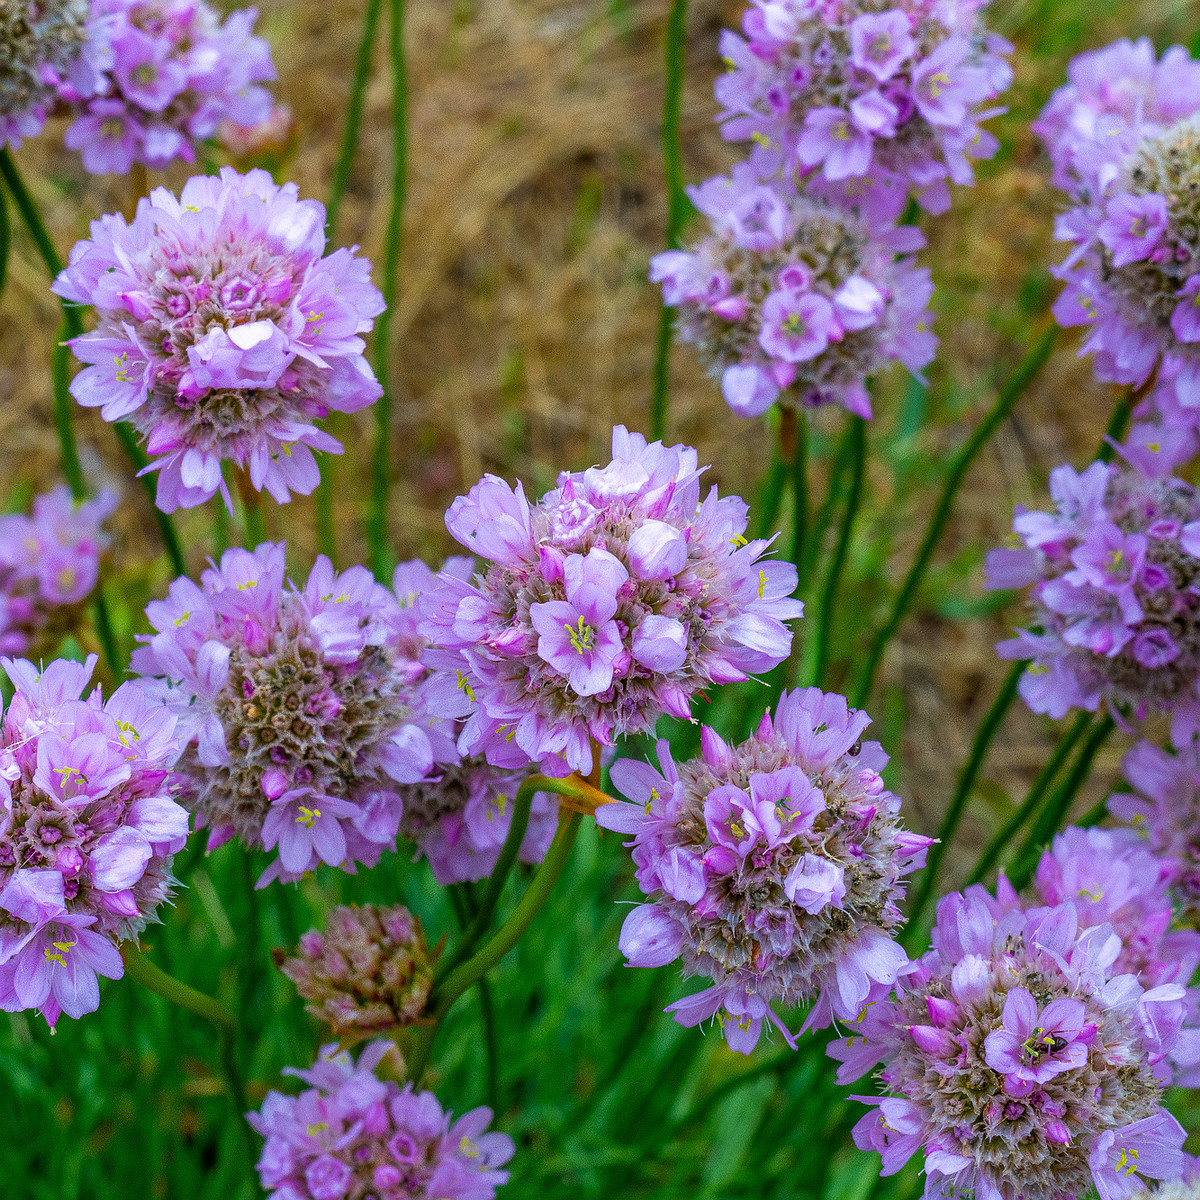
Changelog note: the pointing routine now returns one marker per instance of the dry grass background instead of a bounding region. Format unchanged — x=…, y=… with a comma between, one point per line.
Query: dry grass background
x=525, y=326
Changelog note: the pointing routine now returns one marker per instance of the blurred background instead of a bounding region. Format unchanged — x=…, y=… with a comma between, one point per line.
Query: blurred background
x=524, y=330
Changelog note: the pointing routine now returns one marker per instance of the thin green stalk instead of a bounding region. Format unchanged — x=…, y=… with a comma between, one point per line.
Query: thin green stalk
x=770, y=492
x=5, y=240
x=166, y=527
x=1051, y=817
x=377, y=523
x=326, y=533
x=858, y=450
x=800, y=493
x=506, y=937
x=676, y=200
x=962, y=792
x=1011, y=391
x=487, y=1014
x=833, y=494
x=1117, y=424
x=1045, y=777
x=64, y=403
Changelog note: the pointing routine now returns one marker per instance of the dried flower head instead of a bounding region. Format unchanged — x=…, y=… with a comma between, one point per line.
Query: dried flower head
x=164, y=75
x=795, y=299
x=613, y=600
x=49, y=564
x=88, y=828
x=41, y=41
x=223, y=333
x=773, y=868
x=1115, y=599
x=886, y=97
x=300, y=722
x=351, y=1134
x=1017, y=1061
x=367, y=973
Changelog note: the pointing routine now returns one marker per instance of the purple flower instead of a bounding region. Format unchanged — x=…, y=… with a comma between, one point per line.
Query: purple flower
x=889, y=100
x=881, y=42
x=351, y=1133
x=220, y=300
x=774, y=868
x=807, y=319
x=301, y=708
x=613, y=600
x=162, y=75
x=49, y=564
x=1072, y=1052
x=88, y=829
x=1113, y=591
x=1132, y=227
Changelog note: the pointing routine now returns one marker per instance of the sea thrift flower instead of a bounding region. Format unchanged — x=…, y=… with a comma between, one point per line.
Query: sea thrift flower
x=88, y=827
x=300, y=723
x=773, y=867
x=42, y=42
x=166, y=74
x=893, y=99
x=369, y=972
x=794, y=299
x=49, y=564
x=352, y=1134
x=1017, y=1061
x=1115, y=571
x=613, y=600
x=223, y=333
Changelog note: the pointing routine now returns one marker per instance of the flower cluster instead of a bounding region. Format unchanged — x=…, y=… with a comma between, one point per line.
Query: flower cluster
x=223, y=333
x=352, y=1134
x=1126, y=143
x=613, y=600
x=300, y=723
x=460, y=816
x=794, y=297
x=886, y=98
x=49, y=563
x=42, y=40
x=1018, y=1060
x=367, y=973
x=773, y=867
x=1116, y=593
x=88, y=825
x=165, y=74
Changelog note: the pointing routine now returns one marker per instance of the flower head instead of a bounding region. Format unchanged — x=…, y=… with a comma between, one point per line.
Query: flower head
x=368, y=972
x=351, y=1133
x=298, y=705
x=42, y=43
x=223, y=333
x=848, y=92
x=613, y=600
x=1114, y=572
x=164, y=75
x=49, y=564
x=1017, y=1060
x=774, y=868
x=795, y=298
x=88, y=828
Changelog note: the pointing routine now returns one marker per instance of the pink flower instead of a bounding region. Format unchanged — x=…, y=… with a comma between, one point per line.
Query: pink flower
x=832, y=140
x=1132, y=227
x=797, y=326
x=1034, y=1046
x=881, y=42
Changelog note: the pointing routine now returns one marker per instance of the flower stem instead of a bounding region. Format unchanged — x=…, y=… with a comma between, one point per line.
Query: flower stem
x=676, y=201
x=1045, y=777
x=1014, y=386
x=958, y=802
x=1118, y=422
x=252, y=509
x=799, y=465
x=770, y=492
x=377, y=523
x=5, y=240
x=1051, y=817
x=858, y=449
x=166, y=527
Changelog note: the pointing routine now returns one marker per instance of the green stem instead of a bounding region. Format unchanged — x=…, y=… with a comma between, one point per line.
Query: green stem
x=858, y=449
x=166, y=527
x=958, y=802
x=833, y=495
x=800, y=494
x=1045, y=777
x=487, y=1013
x=770, y=492
x=5, y=240
x=1014, y=386
x=676, y=200
x=1052, y=816
x=506, y=937
x=253, y=512
x=1118, y=422
x=377, y=523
